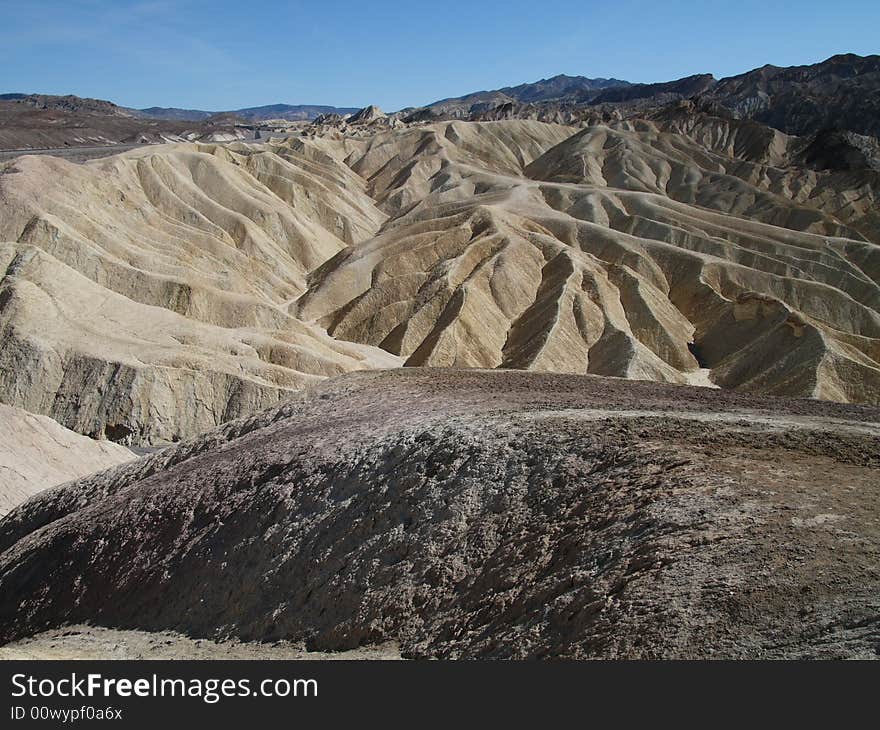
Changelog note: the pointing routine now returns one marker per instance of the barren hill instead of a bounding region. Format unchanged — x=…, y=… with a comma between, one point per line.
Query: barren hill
x=39, y=121
x=479, y=514
x=144, y=296
x=557, y=89
x=637, y=249
x=839, y=93
x=36, y=453
x=842, y=92
x=192, y=284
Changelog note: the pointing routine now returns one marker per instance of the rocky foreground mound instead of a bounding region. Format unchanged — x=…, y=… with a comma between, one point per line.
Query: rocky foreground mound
x=479, y=514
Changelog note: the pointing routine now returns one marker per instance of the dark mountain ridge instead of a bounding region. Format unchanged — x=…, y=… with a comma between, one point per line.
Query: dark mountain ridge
x=292, y=112
x=841, y=92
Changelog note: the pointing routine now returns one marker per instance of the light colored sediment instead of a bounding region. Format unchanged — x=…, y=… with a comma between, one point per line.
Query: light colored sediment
x=191, y=284
x=111, y=367
x=37, y=453
x=144, y=295
x=627, y=250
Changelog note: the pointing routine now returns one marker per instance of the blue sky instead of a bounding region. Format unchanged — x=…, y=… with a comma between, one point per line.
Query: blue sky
x=216, y=54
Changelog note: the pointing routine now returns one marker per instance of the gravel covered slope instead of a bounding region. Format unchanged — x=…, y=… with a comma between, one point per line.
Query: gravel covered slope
x=479, y=514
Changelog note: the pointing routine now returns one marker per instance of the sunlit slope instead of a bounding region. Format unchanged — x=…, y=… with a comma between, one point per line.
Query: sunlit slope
x=36, y=453
x=157, y=293
x=623, y=251
x=144, y=295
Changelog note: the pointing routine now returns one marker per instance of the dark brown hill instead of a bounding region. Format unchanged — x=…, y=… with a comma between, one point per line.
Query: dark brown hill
x=479, y=514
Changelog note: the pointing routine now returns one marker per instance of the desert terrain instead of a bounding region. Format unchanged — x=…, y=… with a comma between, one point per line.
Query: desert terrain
x=37, y=452
x=478, y=513
x=90, y=643
x=579, y=368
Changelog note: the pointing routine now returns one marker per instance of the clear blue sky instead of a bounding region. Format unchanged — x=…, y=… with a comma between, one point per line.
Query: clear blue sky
x=220, y=54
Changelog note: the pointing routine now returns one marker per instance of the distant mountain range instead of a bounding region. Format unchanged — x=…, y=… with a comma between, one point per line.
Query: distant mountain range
x=291, y=112
x=38, y=121
x=559, y=88
x=842, y=92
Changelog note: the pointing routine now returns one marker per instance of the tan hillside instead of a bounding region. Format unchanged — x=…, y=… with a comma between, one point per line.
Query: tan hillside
x=622, y=250
x=36, y=453
x=159, y=279
x=191, y=284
